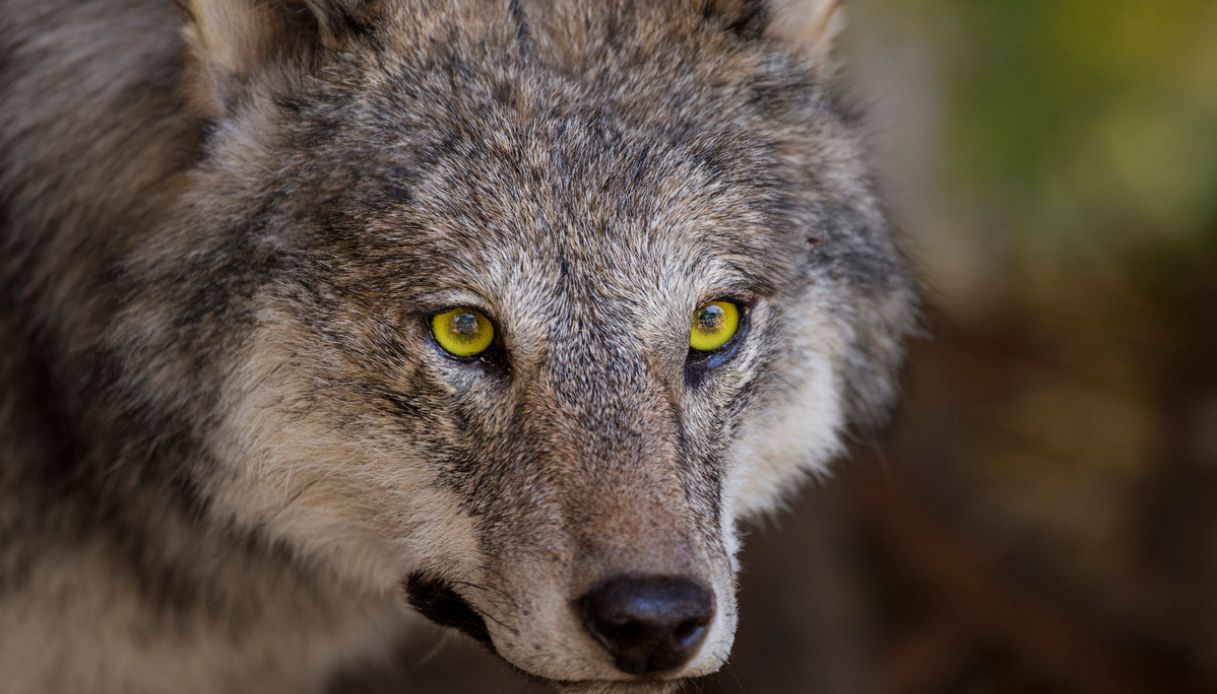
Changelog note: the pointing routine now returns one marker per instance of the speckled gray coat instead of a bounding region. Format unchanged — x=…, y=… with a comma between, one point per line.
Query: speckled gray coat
x=227, y=437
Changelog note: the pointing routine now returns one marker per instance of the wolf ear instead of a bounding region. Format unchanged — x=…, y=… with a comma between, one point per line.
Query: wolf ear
x=234, y=43
x=807, y=27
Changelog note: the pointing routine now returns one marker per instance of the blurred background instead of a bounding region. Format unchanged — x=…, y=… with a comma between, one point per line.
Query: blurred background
x=1043, y=515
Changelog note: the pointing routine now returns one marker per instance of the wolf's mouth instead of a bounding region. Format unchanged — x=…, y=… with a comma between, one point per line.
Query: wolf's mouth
x=436, y=600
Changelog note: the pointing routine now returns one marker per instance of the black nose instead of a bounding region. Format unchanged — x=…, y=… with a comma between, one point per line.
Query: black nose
x=648, y=623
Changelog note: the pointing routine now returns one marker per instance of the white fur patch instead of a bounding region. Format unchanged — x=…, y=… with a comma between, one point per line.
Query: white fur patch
x=790, y=439
x=359, y=502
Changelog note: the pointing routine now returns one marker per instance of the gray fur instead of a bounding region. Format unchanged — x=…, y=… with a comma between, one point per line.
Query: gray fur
x=226, y=435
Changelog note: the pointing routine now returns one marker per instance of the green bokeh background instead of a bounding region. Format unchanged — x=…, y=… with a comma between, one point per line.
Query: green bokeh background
x=1084, y=130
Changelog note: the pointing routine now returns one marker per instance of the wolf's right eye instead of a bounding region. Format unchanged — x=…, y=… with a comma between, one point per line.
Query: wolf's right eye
x=718, y=330
x=714, y=324
x=462, y=331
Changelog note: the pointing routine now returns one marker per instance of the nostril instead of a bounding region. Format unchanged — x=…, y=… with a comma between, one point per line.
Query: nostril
x=689, y=630
x=629, y=630
x=648, y=623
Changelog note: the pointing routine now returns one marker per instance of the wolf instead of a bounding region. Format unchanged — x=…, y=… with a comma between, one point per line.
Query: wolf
x=319, y=315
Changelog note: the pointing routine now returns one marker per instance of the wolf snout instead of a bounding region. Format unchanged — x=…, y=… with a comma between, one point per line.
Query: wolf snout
x=648, y=624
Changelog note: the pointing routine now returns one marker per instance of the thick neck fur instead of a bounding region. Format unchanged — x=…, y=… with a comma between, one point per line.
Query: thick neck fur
x=117, y=555
x=123, y=581
x=139, y=597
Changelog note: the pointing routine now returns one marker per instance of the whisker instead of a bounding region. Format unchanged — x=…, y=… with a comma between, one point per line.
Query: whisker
x=440, y=643
x=489, y=589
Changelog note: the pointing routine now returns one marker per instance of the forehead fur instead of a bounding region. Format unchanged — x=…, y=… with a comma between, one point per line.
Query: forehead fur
x=503, y=149
x=603, y=131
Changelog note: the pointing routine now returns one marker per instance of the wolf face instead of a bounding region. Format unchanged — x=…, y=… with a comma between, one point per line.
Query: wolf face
x=583, y=176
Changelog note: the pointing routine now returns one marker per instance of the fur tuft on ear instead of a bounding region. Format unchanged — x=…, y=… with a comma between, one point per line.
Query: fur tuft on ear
x=807, y=27
x=233, y=43
x=810, y=26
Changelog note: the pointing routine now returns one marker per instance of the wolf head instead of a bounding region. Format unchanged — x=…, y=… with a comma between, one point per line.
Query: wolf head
x=581, y=178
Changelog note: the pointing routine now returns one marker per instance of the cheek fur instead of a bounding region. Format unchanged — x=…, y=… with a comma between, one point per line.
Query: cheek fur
x=356, y=497
x=796, y=432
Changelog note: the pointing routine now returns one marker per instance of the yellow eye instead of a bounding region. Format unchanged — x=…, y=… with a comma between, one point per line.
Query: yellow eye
x=714, y=324
x=462, y=332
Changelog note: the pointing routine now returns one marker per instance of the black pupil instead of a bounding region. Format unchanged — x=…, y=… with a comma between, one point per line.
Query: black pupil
x=711, y=318
x=465, y=325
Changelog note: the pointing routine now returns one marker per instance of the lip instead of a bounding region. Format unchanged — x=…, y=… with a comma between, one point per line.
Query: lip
x=436, y=600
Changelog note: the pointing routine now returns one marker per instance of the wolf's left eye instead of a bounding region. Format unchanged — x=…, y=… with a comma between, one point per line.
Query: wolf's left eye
x=462, y=332
x=714, y=324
